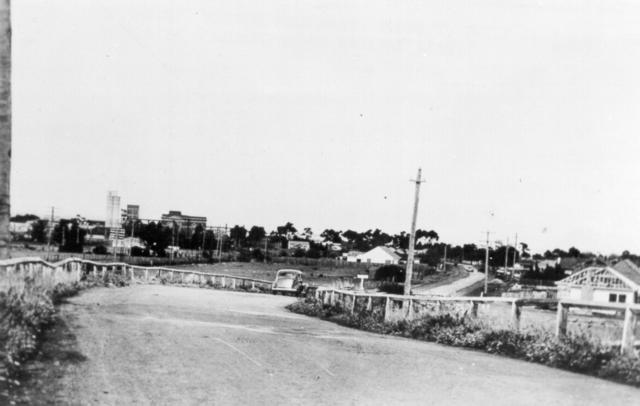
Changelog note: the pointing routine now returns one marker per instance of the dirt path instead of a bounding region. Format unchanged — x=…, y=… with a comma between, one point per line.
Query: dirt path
x=172, y=345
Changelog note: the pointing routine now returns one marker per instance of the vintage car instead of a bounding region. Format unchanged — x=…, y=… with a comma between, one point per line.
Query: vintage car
x=288, y=281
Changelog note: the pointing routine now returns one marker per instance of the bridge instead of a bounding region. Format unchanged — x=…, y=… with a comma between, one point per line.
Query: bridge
x=156, y=344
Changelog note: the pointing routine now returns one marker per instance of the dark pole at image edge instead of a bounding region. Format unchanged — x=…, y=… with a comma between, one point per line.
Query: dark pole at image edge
x=5, y=126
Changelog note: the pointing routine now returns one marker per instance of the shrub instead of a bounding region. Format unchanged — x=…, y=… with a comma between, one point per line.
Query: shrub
x=389, y=273
x=100, y=250
x=622, y=369
x=393, y=288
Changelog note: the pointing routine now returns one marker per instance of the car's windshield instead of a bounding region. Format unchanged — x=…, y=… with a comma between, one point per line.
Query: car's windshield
x=288, y=275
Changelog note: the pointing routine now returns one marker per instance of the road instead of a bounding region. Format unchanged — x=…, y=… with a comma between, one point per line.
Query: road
x=459, y=287
x=172, y=345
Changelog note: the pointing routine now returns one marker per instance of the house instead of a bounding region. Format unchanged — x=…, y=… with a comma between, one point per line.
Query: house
x=619, y=283
x=351, y=256
x=379, y=255
x=298, y=245
x=21, y=228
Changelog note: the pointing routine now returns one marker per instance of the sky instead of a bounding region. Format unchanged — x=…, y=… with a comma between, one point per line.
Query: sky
x=522, y=114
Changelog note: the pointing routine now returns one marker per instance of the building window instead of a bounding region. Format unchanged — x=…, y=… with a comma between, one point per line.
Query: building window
x=612, y=297
x=622, y=298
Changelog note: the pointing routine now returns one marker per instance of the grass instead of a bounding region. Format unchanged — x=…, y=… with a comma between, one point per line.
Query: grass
x=576, y=352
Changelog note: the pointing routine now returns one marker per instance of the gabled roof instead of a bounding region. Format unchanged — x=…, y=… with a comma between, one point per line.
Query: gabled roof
x=387, y=250
x=602, y=277
x=629, y=270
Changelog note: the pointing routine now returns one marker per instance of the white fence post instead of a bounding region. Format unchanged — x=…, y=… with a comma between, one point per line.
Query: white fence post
x=474, y=309
x=628, y=337
x=561, y=320
x=410, y=309
x=515, y=315
x=387, y=308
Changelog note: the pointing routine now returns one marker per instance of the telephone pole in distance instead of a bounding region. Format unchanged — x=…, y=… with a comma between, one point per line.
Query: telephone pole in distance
x=412, y=236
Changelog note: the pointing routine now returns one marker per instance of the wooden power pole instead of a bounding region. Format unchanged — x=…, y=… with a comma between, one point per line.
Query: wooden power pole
x=412, y=236
x=486, y=266
x=515, y=256
x=444, y=260
x=506, y=257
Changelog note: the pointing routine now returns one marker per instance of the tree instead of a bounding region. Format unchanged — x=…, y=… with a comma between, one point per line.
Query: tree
x=401, y=240
x=256, y=235
x=69, y=236
x=238, y=235
x=287, y=230
x=497, y=256
x=196, y=238
x=21, y=218
x=425, y=238
x=525, y=250
x=331, y=235
x=39, y=231
x=574, y=252
x=307, y=233
x=378, y=237
x=157, y=237
x=5, y=126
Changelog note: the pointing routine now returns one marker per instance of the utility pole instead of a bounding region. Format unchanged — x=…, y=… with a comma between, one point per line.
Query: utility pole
x=412, y=236
x=173, y=240
x=486, y=266
x=266, y=247
x=50, y=232
x=444, y=261
x=515, y=255
x=219, y=243
x=506, y=257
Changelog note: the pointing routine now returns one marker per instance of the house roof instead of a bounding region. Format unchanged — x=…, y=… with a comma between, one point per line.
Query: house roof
x=623, y=276
x=387, y=250
x=629, y=270
x=569, y=262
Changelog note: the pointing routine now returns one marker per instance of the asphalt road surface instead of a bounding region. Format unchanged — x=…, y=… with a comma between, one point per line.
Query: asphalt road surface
x=173, y=345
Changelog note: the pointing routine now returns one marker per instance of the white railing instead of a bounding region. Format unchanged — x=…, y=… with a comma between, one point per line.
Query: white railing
x=631, y=312
x=411, y=305
x=72, y=269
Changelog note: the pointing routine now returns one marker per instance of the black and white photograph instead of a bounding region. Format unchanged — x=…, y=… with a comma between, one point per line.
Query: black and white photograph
x=320, y=202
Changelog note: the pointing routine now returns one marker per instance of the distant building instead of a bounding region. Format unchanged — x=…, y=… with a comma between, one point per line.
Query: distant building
x=603, y=284
x=113, y=219
x=380, y=255
x=351, y=256
x=133, y=212
x=299, y=245
x=21, y=229
x=182, y=220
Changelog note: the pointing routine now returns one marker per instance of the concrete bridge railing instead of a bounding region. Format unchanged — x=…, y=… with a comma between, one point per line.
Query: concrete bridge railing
x=13, y=272
x=398, y=307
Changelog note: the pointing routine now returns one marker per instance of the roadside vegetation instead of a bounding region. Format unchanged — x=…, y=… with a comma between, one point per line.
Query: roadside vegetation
x=27, y=309
x=577, y=353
